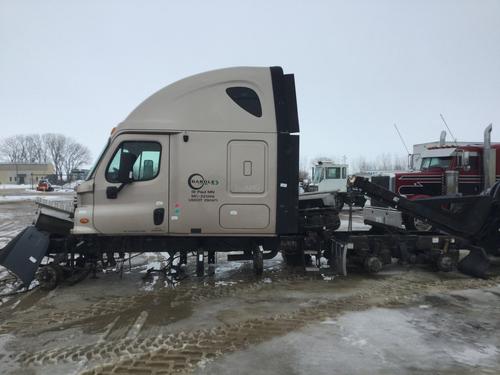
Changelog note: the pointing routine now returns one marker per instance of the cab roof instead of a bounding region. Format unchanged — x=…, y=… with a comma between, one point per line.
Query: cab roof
x=171, y=109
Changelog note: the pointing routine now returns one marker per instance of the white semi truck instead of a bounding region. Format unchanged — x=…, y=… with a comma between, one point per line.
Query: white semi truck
x=329, y=177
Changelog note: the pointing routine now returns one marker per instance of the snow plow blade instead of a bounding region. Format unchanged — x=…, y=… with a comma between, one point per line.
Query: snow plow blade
x=23, y=254
x=476, y=263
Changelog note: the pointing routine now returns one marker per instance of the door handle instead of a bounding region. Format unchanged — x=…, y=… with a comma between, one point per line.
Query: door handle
x=158, y=216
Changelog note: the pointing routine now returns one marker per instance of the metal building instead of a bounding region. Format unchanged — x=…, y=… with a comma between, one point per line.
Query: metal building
x=24, y=173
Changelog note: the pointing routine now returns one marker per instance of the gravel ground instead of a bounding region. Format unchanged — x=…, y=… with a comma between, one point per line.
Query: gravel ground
x=403, y=320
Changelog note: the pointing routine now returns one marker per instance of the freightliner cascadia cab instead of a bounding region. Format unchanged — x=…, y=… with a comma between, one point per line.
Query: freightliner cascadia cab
x=215, y=154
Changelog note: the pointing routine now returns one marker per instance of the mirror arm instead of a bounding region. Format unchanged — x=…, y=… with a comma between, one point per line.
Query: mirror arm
x=122, y=185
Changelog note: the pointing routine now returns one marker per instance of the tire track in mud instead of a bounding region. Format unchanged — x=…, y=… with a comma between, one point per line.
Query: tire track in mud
x=110, y=308
x=182, y=352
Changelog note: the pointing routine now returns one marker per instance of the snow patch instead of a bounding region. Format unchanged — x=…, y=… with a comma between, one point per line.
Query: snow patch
x=152, y=265
x=329, y=322
x=149, y=287
x=224, y=283
x=22, y=198
x=14, y=186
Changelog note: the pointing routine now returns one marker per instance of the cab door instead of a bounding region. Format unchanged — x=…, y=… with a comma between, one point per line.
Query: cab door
x=139, y=206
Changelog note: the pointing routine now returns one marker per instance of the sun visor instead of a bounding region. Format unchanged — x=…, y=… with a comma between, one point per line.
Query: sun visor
x=438, y=152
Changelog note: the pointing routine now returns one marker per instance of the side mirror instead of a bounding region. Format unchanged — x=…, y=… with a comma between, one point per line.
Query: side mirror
x=112, y=192
x=127, y=161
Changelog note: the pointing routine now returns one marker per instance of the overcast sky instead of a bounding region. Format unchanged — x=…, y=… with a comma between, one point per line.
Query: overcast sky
x=80, y=68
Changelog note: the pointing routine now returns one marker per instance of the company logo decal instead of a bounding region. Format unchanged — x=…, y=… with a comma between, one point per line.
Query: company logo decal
x=196, y=181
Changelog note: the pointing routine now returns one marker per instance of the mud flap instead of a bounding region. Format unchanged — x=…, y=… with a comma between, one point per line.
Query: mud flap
x=475, y=264
x=23, y=254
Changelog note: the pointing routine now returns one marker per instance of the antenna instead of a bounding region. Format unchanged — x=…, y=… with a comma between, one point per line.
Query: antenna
x=447, y=127
x=402, y=140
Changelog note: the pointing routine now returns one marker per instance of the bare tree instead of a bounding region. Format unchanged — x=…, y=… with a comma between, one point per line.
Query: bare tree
x=35, y=149
x=10, y=149
x=23, y=149
x=384, y=162
x=363, y=165
x=65, y=153
x=75, y=155
x=400, y=162
x=56, y=147
x=304, y=169
x=303, y=175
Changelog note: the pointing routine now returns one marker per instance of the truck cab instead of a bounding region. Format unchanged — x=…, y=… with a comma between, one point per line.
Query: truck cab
x=227, y=168
x=458, y=169
x=329, y=176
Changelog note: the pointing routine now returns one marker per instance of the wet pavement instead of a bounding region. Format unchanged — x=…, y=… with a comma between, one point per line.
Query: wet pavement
x=403, y=320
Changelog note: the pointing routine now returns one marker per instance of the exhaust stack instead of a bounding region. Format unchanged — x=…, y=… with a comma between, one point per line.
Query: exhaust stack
x=442, y=138
x=489, y=159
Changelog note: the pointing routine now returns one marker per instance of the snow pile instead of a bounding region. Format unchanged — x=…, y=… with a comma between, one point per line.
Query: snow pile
x=63, y=190
x=72, y=185
x=149, y=287
x=14, y=186
x=66, y=188
x=23, y=198
x=17, y=198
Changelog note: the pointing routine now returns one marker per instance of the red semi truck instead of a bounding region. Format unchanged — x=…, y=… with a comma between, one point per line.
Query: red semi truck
x=450, y=169
x=465, y=169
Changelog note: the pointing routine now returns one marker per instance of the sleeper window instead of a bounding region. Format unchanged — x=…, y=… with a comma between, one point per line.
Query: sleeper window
x=147, y=163
x=246, y=98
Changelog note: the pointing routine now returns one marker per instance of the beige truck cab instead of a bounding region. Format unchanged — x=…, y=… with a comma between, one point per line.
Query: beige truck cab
x=227, y=168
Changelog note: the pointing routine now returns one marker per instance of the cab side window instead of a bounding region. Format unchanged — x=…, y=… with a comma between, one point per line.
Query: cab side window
x=474, y=162
x=147, y=160
x=332, y=173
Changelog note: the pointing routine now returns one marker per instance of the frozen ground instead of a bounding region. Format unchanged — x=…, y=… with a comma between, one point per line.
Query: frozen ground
x=453, y=333
x=401, y=321
x=20, y=193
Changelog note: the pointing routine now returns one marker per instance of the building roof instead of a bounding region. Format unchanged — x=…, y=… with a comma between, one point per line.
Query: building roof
x=35, y=167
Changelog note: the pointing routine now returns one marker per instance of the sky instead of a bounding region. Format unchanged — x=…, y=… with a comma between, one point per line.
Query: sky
x=80, y=67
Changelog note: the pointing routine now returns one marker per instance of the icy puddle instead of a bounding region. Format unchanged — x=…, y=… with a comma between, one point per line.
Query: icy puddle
x=457, y=334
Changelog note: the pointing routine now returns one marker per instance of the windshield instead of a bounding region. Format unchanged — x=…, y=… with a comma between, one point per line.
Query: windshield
x=317, y=175
x=430, y=163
